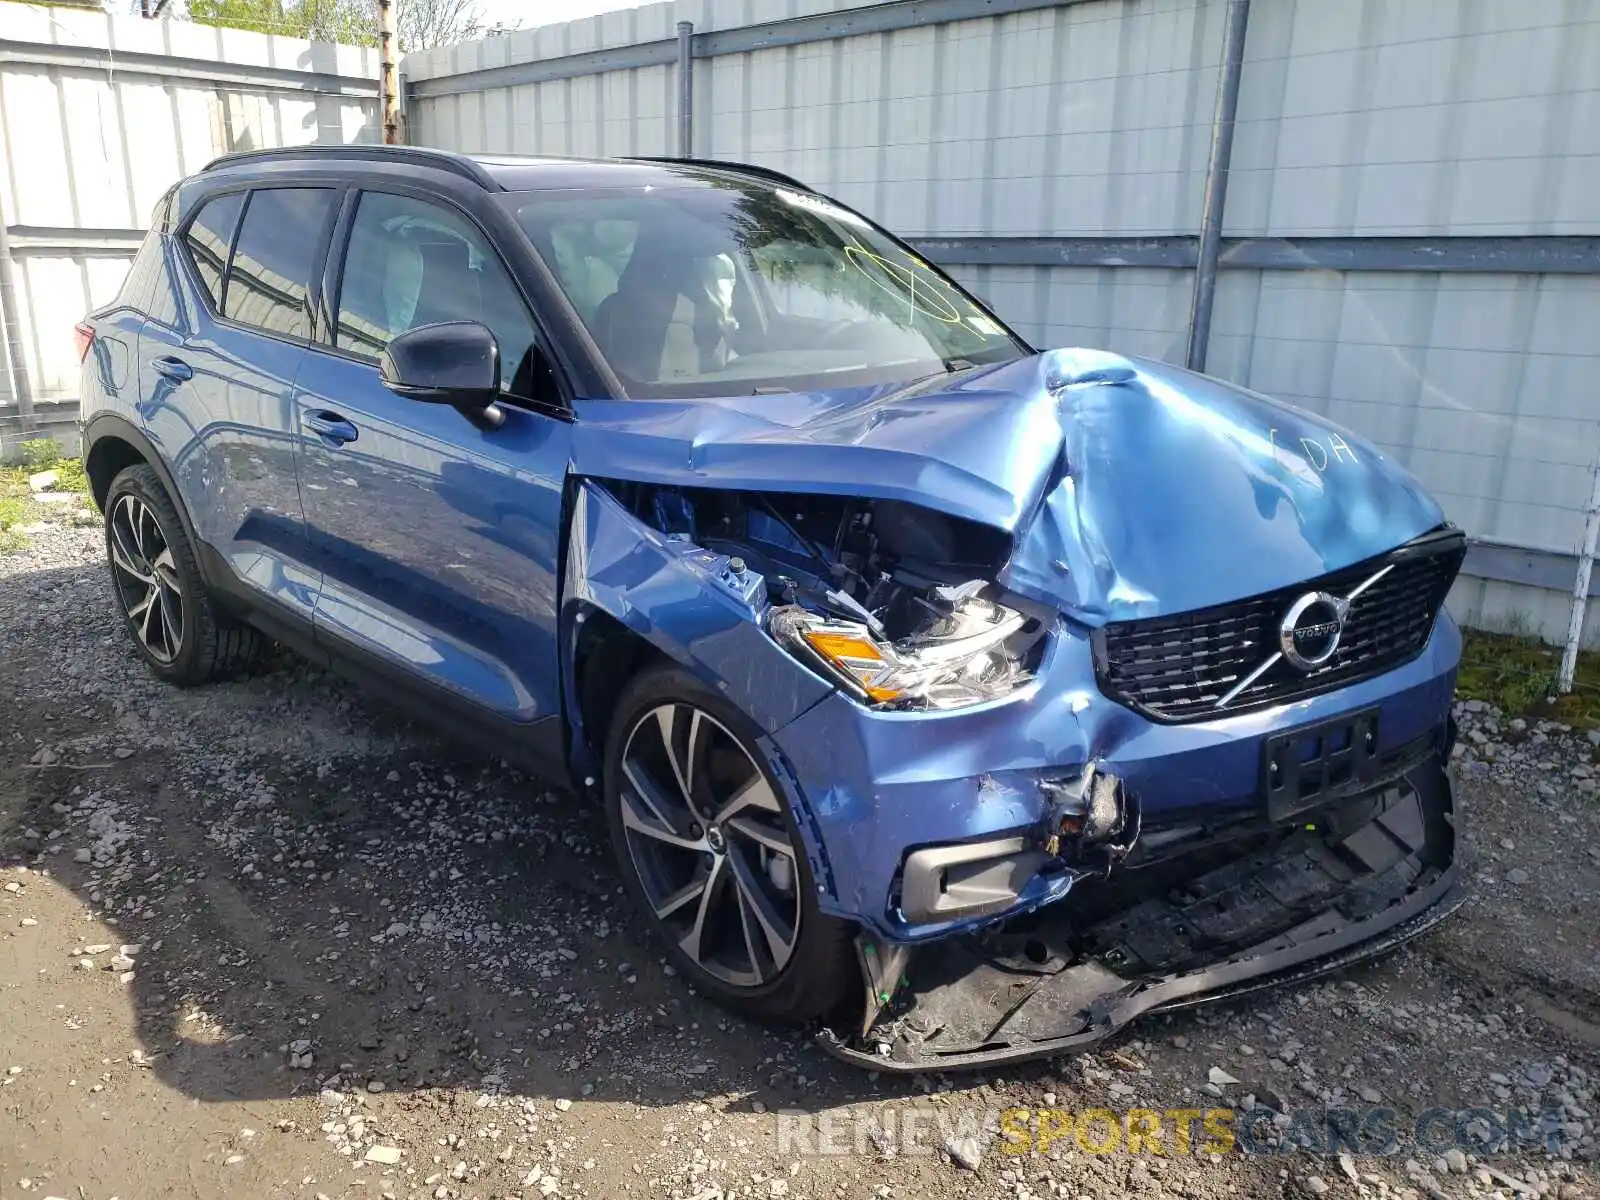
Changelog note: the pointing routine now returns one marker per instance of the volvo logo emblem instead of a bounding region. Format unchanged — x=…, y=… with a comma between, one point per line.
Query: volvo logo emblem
x=1309, y=633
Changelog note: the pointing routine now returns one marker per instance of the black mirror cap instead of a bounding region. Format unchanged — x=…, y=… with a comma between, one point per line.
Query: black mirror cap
x=453, y=362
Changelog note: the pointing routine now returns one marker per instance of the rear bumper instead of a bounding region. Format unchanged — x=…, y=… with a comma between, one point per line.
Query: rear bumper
x=1298, y=903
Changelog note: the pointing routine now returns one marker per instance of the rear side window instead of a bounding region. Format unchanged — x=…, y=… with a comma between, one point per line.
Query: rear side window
x=274, y=256
x=138, y=284
x=209, y=236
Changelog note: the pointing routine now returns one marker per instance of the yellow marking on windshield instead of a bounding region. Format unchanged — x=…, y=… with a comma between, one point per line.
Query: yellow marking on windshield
x=926, y=301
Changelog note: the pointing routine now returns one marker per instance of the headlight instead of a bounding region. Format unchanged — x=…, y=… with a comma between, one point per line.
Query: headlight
x=963, y=657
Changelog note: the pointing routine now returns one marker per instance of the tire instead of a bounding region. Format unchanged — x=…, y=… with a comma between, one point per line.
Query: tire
x=175, y=625
x=741, y=957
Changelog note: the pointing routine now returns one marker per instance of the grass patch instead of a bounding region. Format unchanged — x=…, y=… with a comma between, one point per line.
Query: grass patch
x=17, y=505
x=13, y=512
x=73, y=478
x=38, y=453
x=1518, y=676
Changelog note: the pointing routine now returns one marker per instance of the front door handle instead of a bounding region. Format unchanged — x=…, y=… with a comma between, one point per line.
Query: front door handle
x=175, y=369
x=330, y=427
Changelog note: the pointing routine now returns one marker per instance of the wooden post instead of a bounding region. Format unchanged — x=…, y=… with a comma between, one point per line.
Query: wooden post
x=388, y=75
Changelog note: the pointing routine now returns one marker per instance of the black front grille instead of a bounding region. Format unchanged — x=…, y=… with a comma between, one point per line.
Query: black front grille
x=1177, y=668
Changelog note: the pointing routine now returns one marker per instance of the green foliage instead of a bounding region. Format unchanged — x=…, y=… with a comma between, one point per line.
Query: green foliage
x=70, y=476
x=348, y=21
x=17, y=505
x=38, y=453
x=420, y=23
x=13, y=510
x=1519, y=676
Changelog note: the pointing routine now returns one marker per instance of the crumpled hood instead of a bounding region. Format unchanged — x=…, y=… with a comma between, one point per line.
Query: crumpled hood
x=1131, y=488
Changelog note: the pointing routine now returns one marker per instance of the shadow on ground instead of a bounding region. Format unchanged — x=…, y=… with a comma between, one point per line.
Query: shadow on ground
x=309, y=874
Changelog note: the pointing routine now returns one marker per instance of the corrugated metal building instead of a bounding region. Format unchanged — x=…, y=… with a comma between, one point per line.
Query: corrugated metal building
x=98, y=116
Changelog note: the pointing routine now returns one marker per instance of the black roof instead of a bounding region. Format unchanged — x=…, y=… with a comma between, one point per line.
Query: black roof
x=515, y=173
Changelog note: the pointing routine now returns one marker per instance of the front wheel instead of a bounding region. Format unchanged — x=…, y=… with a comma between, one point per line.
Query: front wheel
x=710, y=851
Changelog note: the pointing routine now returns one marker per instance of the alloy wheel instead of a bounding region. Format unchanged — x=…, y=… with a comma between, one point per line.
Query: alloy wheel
x=707, y=837
x=146, y=577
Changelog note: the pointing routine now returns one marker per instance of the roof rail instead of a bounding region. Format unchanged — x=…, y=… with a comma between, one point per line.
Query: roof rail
x=421, y=156
x=721, y=165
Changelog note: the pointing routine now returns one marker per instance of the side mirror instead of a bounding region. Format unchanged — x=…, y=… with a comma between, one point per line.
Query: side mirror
x=454, y=362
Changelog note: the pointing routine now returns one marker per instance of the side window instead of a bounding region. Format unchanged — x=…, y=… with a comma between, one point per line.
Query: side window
x=140, y=279
x=412, y=263
x=209, y=236
x=274, y=257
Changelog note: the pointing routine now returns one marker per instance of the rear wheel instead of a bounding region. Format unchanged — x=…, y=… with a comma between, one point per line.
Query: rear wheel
x=175, y=626
x=710, y=851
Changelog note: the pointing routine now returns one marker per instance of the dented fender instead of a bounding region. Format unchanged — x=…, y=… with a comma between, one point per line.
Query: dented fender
x=685, y=602
x=688, y=604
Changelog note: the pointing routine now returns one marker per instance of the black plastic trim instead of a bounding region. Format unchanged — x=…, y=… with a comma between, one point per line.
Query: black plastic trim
x=1360, y=941
x=736, y=168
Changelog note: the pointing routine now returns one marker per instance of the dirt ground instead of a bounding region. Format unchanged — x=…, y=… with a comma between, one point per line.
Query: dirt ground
x=267, y=939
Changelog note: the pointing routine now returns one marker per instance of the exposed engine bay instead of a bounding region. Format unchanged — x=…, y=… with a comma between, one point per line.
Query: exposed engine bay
x=890, y=600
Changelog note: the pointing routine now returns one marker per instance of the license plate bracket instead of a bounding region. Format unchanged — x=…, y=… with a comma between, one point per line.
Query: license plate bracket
x=1307, y=767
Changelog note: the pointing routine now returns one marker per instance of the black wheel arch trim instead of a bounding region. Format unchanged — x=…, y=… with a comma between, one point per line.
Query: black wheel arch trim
x=107, y=425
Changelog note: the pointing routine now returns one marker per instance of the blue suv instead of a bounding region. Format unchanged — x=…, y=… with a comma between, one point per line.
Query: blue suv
x=968, y=699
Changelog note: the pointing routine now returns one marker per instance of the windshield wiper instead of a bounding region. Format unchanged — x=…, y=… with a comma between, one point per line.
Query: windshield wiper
x=952, y=365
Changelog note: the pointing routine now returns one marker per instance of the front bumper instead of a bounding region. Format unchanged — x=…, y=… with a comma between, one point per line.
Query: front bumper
x=1267, y=907
x=874, y=789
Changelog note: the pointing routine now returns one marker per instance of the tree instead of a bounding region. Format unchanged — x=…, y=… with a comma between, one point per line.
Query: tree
x=423, y=24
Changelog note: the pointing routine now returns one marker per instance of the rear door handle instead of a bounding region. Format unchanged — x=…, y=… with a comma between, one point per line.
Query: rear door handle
x=330, y=427
x=173, y=368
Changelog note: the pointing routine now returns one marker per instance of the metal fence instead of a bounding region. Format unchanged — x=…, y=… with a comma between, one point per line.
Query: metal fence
x=98, y=116
x=1409, y=245
x=1409, y=242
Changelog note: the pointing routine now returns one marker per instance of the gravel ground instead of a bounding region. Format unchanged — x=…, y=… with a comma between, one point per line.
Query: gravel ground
x=267, y=938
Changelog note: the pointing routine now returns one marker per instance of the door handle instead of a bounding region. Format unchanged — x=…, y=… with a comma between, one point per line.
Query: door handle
x=173, y=368
x=330, y=427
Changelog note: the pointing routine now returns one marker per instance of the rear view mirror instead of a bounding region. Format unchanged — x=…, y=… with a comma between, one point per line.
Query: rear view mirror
x=454, y=362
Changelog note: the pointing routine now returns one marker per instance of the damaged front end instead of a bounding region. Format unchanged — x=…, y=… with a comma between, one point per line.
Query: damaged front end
x=956, y=774
x=1044, y=660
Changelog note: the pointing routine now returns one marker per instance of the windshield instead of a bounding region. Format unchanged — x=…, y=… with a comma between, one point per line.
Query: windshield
x=739, y=288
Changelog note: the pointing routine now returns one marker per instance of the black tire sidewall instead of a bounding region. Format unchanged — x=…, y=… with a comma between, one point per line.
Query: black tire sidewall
x=818, y=977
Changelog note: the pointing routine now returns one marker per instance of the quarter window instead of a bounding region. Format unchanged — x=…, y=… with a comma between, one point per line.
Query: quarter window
x=274, y=257
x=412, y=263
x=208, y=238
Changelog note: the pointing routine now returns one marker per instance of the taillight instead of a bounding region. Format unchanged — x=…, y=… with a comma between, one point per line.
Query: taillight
x=85, y=336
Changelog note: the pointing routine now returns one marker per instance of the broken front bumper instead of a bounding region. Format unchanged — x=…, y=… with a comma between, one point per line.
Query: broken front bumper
x=1250, y=907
